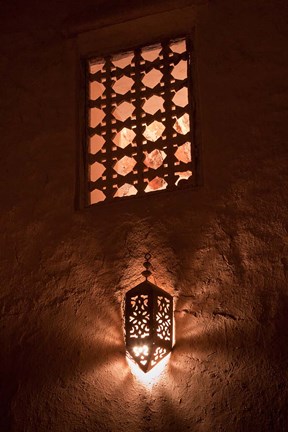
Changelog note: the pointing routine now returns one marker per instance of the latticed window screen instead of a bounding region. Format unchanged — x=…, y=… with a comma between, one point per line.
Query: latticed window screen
x=139, y=128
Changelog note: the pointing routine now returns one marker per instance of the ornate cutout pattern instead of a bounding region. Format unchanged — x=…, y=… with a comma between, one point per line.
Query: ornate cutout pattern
x=123, y=85
x=154, y=159
x=157, y=183
x=125, y=165
x=124, y=137
x=148, y=324
x=154, y=131
x=163, y=318
x=138, y=114
x=153, y=104
x=141, y=353
x=126, y=190
x=183, y=153
x=139, y=317
x=158, y=354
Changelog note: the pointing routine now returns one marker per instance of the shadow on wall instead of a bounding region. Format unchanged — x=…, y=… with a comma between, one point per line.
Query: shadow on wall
x=222, y=364
x=50, y=360
x=80, y=363
x=65, y=368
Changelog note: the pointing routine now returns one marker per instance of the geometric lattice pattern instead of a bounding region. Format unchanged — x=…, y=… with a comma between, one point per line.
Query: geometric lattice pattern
x=148, y=324
x=139, y=123
x=162, y=318
x=139, y=317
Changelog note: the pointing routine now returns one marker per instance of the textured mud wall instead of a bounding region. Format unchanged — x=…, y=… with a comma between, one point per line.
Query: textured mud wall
x=221, y=249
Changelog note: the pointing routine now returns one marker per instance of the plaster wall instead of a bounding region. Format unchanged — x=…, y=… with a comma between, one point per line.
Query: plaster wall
x=220, y=249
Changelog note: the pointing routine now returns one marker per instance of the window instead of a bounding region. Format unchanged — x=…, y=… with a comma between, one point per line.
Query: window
x=139, y=131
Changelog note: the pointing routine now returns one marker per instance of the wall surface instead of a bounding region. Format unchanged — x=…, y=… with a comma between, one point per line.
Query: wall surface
x=221, y=249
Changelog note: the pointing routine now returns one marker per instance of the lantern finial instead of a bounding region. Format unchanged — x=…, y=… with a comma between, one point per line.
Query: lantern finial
x=146, y=273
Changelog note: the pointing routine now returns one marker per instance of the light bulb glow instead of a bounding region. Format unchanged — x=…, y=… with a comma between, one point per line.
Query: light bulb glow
x=150, y=378
x=138, y=350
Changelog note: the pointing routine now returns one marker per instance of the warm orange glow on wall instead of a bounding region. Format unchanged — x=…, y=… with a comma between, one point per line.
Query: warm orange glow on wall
x=148, y=322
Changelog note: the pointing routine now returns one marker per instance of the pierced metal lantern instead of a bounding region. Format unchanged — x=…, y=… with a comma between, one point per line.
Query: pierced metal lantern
x=148, y=322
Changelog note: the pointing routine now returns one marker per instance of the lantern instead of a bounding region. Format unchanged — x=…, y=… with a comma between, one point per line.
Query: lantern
x=148, y=322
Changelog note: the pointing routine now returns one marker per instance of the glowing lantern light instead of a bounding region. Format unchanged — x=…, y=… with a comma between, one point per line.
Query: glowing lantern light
x=148, y=322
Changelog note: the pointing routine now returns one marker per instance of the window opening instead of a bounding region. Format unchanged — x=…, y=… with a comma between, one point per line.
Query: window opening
x=139, y=118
